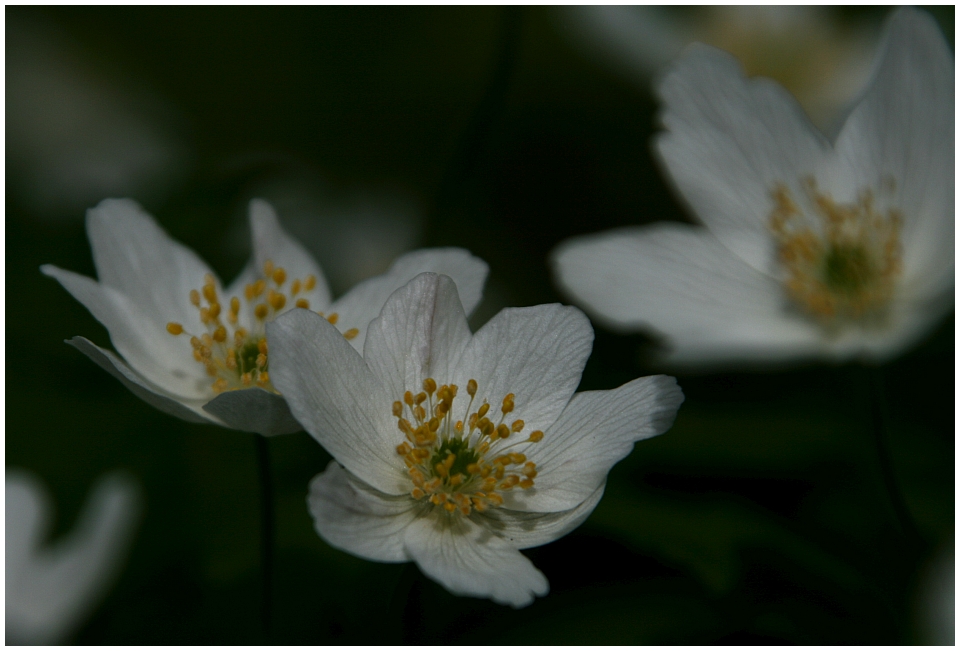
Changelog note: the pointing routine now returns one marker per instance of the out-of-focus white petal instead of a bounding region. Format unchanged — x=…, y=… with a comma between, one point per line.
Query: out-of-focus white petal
x=468, y=560
x=253, y=410
x=134, y=256
x=358, y=307
x=537, y=353
x=684, y=284
x=336, y=398
x=728, y=142
x=903, y=130
x=525, y=529
x=53, y=589
x=144, y=343
x=352, y=516
x=271, y=242
x=596, y=430
x=420, y=333
x=189, y=410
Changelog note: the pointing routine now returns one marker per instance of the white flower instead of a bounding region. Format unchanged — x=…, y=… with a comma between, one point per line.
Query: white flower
x=455, y=450
x=824, y=63
x=52, y=588
x=199, y=352
x=811, y=249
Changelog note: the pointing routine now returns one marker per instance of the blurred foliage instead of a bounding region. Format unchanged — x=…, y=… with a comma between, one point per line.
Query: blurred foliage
x=761, y=517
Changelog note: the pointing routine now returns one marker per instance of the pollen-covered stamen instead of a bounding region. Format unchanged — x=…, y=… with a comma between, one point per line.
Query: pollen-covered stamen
x=233, y=348
x=460, y=465
x=840, y=261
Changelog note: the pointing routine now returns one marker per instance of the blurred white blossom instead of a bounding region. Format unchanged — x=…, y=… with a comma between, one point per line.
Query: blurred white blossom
x=53, y=587
x=421, y=472
x=198, y=351
x=74, y=134
x=824, y=63
x=810, y=248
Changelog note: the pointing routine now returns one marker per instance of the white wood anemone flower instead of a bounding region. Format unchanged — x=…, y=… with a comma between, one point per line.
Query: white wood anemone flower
x=455, y=450
x=198, y=351
x=811, y=249
x=52, y=588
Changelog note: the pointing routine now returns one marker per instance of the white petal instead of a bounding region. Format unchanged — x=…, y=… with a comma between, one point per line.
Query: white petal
x=354, y=517
x=682, y=283
x=61, y=584
x=164, y=360
x=468, y=560
x=336, y=398
x=420, y=333
x=537, y=353
x=358, y=307
x=596, y=430
x=254, y=410
x=134, y=256
x=271, y=242
x=189, y=410
x=525, y=529
x=904, y=129
x=728, y=141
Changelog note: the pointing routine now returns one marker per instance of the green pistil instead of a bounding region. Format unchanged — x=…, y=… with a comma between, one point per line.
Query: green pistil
x=847, y=269
x=464, y=456
x=247, y=357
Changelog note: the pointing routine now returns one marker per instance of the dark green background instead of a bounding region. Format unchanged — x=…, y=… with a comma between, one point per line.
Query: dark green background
x=760, y=517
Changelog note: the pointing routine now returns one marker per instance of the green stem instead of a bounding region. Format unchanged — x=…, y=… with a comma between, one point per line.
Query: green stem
x=266, y=532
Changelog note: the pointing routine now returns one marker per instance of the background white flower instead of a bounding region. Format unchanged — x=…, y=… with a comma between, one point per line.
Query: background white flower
x=810, y=248
x=52, y=588
x=457, y=450
x=821, y=61
x=198, y=351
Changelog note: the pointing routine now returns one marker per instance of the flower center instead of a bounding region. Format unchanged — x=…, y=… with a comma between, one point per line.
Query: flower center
x=841, y=261
x=235, y=352
x=461, y=465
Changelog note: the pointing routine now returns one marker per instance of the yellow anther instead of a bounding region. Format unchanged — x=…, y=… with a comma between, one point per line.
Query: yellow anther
x=434, y=424
x=517, y=425
x=429, y=385
x=507, y=403
x=204, y=314
x=195, y=297
x=441, y=470
x=196, y=355
x=420, y=398
x=526, y=483
x=498, y=471
x=277, y=300
x=262, y=346
x=398, y=409
x=231, y=360
x=210, y=292
x=484, y=408
x=408, y=398
x=517, y=457
x=207, y=340
x=473, y=468
x=333, y=318
x=449, y=461
x=487, y=427
x=503, y=431
x=261, y=360
x=261, y=311
x=264, y=378
x=417, y=494
x=450, y=507
x=279, y=276
x=309, y=283
x=457, y=479
x=303, y=303
x=174, y=328
x=403, y=449
x=485, y=470
x=220, y=335
x=268, y=268
x=220, y=385
x=248, y=292
x=258, y=287
x=351, y=333
x=495, y=498
x=235, y=305
x=472, y=388
x=246, y=378
x=214, y=310
x=536, y=436
x=437, y=498
x=295, y=287
x=195, y=342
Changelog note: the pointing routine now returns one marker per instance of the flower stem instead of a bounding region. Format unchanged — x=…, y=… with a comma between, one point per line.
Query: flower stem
x=266, y=532
x=880, y=436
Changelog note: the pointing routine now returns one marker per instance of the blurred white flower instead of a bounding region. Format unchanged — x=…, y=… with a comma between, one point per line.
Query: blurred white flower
x=199, y=352
x=52, y=588
x=456, y=450
x=75, y=135
x=811, y=248
x=823, y=63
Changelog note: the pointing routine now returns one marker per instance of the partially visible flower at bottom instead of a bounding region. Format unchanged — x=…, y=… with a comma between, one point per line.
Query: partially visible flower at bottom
x=51, y=589
x=456, y=450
